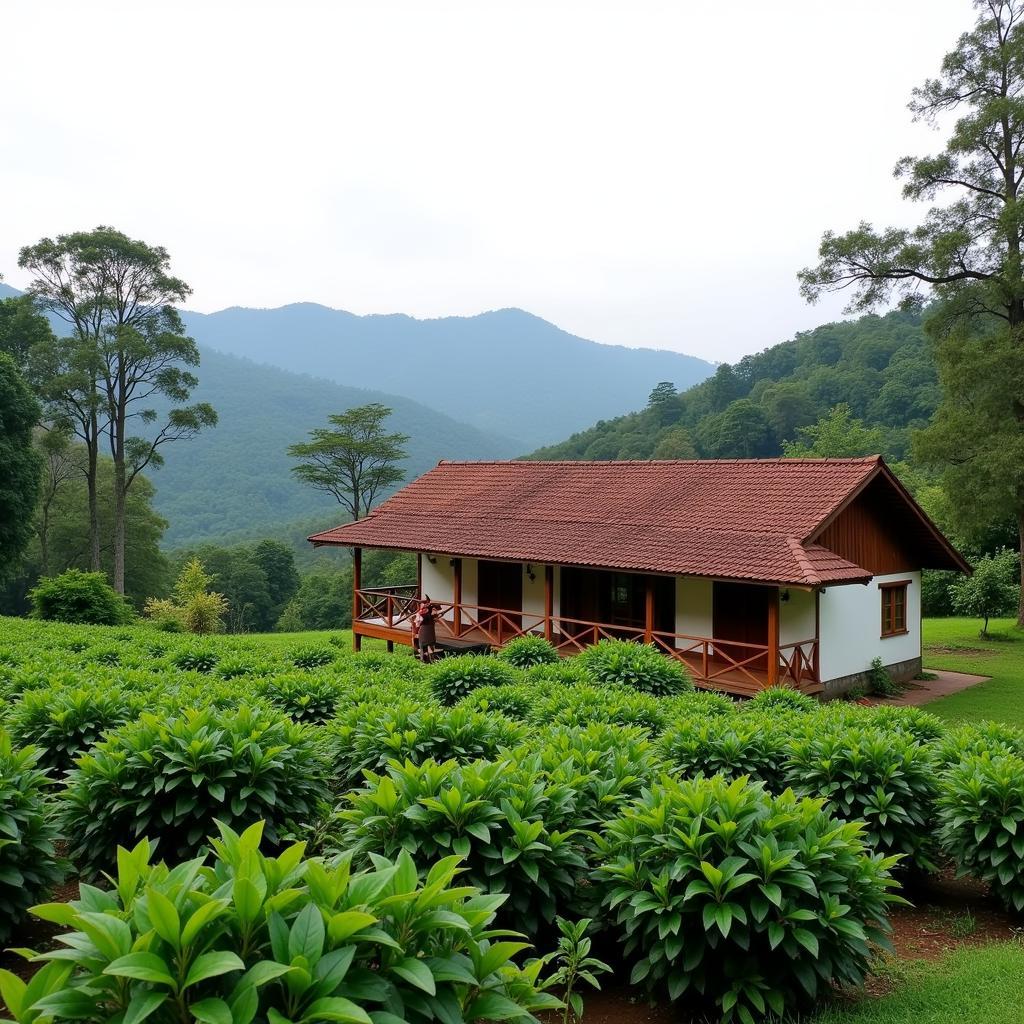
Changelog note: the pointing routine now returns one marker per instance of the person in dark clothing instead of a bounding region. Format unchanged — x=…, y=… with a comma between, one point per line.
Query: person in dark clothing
x=426, y=634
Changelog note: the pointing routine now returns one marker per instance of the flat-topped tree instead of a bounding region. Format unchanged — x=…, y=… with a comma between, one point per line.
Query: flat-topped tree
x=354, y=459
x=965, y=256
x=127, y=347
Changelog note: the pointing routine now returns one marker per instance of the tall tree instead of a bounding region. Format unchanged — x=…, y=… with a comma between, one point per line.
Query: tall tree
x=22, y=327
x=62, y=463
x=128, y=348
x=966, y=254
x=835, y=436
x=354, y=459
x=20, y=465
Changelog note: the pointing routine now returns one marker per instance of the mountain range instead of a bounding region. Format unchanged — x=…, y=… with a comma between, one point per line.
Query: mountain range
x=504, y=371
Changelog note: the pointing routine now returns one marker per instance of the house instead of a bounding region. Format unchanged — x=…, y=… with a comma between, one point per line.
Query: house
x=752, y=573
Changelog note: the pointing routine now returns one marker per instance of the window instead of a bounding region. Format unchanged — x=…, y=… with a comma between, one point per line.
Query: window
x=894, y=607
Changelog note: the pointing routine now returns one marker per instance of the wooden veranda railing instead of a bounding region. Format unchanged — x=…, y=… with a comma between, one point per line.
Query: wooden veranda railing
x=735, y=666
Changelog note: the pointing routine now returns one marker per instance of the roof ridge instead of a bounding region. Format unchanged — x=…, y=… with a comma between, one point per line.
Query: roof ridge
x=496, y=516
x=772, y=461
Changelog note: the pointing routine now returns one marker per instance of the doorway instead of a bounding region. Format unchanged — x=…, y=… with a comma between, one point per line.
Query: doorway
x=500, y=586
x=740, y=614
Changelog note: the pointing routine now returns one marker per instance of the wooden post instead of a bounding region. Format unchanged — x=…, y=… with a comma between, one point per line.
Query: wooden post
x=773, y=638
x=457, y=596
x=357, y=585
x=648, y=609
x=549, y=601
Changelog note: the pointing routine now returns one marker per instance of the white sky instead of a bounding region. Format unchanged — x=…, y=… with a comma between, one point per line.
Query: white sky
x=639, y=172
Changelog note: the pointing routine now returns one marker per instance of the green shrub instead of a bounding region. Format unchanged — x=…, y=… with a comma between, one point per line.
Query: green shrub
x=566, y=672
x=454, y=678
x=169, y=779
x=729, y=745
x=193, y=659
x=517, y=700
x=527, y=651
x=249, y=938
x=981, y=816
x=313, y=656
x=503, y=819
x=305, y=698
x=739, y=902
x=781, y=698
x=975, y=738
x=699, y=702
x=76, y=596
x=880, y=682
x=885, y=779
x=605, y=765
x=367, y=738
x=64, y=723
x=28, y=864
x=614, y=705
x=639, y=666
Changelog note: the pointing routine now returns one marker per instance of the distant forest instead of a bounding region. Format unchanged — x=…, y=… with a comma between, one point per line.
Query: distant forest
x=879, y=366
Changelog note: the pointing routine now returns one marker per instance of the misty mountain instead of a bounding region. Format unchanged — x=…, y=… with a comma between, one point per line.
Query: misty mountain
x=505, y=371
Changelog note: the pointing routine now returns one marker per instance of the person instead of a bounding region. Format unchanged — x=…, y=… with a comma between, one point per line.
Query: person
x=426, y=628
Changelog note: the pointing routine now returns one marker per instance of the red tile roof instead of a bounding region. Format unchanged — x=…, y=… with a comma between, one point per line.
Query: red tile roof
x=731, y=519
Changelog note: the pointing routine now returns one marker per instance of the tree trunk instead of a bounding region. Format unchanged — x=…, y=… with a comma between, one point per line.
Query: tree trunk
x=1020, y=535
x=120, y=479
x=120, y=506
x=94, y=516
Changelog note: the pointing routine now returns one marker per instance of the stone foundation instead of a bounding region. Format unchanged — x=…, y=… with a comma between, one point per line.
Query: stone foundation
x=901, y=671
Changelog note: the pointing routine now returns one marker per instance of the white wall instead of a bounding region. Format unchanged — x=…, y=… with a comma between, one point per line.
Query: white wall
x=851, y=626
x=438, y=579
x=796, y=616
x=694, y=610
x=533, y=593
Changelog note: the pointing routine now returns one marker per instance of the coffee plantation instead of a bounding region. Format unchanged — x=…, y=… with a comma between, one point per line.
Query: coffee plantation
x=740, y=858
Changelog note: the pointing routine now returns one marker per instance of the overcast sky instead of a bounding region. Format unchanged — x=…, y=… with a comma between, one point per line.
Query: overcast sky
x=638, y=172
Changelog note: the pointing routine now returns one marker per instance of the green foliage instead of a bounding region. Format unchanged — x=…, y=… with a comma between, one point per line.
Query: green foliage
x=196, y=608
x=738, y=746
x=28, y=864
x=738, y=901
x=245, y=937
x=781, y=698
x=512, y=828
x=452, y=679
x=196, y=659
x=883, y=778
x=369, y=737
x=981, y=815
x=169, y=778
x=992, y=589
x=880, y=682
x=835, y=436
x=312, y=656
x=879, y=371
x=305, y=698
x=640, y=666
x=585, y=704
x=527, y=651
x=63, y=724
x=575, y=966
x=353, y=459
x=82, y=597
x=20, y=464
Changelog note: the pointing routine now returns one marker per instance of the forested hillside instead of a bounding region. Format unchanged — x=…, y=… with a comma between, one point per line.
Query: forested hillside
x=234, y=480
x=880, y=366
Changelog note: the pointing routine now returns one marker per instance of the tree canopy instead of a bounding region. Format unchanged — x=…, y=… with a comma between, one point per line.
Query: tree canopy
x=20, y=465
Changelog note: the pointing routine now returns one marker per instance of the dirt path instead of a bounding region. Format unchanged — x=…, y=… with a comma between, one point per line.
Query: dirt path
x=923, y=691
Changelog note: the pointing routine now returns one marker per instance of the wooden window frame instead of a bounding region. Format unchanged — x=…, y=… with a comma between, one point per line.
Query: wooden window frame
x=888, y=604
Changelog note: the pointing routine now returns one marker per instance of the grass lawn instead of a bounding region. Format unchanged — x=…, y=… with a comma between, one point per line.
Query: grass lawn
x=954, y=644
x=971, y=986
